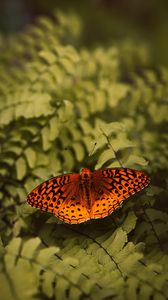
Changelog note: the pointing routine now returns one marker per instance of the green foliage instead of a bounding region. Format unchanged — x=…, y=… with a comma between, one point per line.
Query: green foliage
x=56, y=99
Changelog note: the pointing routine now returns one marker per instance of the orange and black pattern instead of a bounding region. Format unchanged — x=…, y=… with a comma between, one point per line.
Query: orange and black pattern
x=77, y=198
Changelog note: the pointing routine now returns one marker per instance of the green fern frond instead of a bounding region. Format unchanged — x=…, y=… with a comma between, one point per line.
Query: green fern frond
x=56, y=101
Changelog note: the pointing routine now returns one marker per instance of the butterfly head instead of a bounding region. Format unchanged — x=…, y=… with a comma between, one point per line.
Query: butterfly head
x=85, y=173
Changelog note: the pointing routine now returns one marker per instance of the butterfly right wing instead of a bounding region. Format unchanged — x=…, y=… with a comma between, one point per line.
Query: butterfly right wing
x=112, y=186
x=60, y=196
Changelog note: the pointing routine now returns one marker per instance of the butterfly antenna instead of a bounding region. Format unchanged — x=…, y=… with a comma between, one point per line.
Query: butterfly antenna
x=111, y=146
x=92, y=151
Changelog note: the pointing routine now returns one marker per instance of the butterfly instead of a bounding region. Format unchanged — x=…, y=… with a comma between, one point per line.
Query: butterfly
x=78, y=197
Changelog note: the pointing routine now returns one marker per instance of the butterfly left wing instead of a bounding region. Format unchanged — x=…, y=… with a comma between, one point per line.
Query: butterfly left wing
x=112, y=186
x=60, y=196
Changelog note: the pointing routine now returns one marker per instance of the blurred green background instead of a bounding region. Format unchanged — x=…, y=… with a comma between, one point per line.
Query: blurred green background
x=93, y=64
x=105, y=21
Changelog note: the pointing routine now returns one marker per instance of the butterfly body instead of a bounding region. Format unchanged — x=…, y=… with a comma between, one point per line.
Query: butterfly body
x=85, y=187
x=75, y=198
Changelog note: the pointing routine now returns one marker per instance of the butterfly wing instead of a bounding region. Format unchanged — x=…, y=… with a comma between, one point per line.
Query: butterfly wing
x=112, y=186
x=61, y=196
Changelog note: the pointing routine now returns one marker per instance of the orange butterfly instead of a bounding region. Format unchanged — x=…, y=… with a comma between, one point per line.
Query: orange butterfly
x=75, y=198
